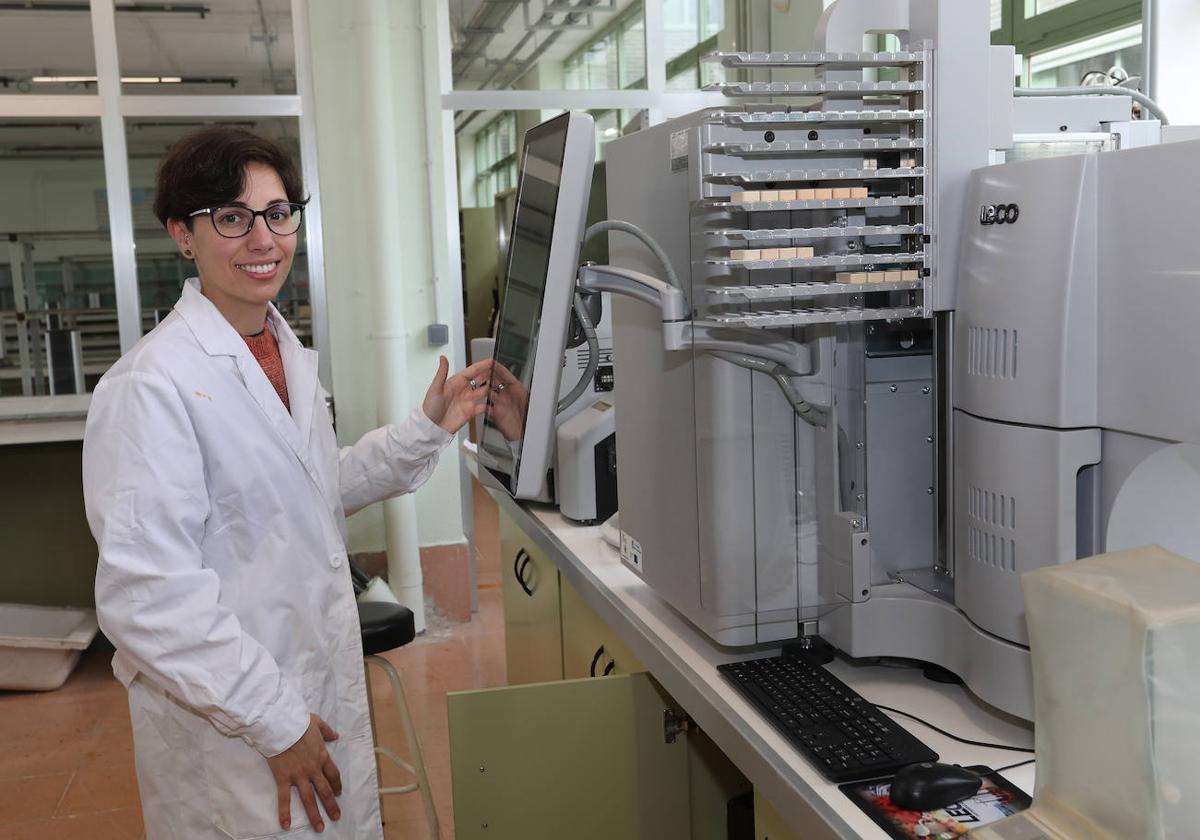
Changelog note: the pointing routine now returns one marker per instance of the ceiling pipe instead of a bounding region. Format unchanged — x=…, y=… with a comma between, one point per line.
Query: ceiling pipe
x=528, y=62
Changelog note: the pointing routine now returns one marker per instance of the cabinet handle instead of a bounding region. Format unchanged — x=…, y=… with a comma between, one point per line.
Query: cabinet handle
x=522, y=561
x=596, y=660
x=608, y=669
x=517, y=561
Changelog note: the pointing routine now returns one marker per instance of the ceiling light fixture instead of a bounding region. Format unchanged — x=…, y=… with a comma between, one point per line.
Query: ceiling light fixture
x=137, y=80
x=63, y=80
x=200, y=10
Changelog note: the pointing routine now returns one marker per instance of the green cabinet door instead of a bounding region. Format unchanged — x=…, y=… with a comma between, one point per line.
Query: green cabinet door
x=532, y=622
x=768, y=824
x=590, y=648
x=580, y=759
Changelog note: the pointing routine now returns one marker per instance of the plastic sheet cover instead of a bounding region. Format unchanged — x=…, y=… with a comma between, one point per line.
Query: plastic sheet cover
x=1115, y=640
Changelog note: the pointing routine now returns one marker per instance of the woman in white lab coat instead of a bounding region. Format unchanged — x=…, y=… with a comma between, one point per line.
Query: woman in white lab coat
x=217, y=496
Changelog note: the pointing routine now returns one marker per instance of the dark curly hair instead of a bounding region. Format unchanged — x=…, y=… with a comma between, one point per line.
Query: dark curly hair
x=207, y=168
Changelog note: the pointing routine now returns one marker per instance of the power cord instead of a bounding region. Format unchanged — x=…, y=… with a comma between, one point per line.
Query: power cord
x=955, y=737
x=1012, y=766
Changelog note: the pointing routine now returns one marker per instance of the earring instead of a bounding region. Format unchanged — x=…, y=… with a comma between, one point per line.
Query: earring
x=187, y=252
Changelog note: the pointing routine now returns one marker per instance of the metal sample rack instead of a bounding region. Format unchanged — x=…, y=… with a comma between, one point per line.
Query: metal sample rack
x=824, y=204
x=764, y=119
x=771, y=234
x=815, y=147
x=774, y=176
x=836, y=175
x=818, y=60
x=825, y=261
x=816, y=315
x=851, y=89
x=800, y=291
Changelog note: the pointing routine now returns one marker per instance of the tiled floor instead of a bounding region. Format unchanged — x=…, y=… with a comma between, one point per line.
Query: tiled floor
x=66, y=770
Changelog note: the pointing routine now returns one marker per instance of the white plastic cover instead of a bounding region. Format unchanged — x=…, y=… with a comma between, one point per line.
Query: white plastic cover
x=1115, y=640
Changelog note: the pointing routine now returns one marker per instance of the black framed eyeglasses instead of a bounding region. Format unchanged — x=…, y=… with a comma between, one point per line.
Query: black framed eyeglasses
x=235, y=220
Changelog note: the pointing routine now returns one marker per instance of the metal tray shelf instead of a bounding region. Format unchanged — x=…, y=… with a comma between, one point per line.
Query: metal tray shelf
x=826, y=60
x=825, y=203
x=789, y=175
x=829, y=315
x=833, y=261
x=815, y=146
x=757, y=119
x=818, y=232
x=794, y=291
x=815, y=88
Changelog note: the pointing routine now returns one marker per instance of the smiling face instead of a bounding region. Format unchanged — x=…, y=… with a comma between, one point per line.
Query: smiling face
x=241, y=276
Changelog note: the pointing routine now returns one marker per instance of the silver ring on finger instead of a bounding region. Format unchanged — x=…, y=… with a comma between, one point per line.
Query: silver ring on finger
x=473, y=384
x=499, y=386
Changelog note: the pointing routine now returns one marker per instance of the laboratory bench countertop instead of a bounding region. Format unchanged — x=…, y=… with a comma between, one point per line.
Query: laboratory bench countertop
x=684, y=661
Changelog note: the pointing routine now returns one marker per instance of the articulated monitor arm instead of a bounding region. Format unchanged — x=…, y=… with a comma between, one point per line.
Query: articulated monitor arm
x=634, y=284
x=680, y=332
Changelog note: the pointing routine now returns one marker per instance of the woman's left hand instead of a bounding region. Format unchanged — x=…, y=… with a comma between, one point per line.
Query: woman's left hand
x=452, y=401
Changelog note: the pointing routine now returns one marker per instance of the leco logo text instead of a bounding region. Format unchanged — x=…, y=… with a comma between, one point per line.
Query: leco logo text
x=999, y=214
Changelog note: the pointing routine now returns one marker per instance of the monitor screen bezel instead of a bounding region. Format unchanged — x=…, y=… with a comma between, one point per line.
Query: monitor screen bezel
x=532, y=459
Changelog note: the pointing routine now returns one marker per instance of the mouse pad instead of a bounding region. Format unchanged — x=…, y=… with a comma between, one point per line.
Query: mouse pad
x=997, y=799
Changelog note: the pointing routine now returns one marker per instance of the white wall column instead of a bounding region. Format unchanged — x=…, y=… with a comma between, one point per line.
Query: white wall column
x=391, y=249
x=116, y=173
x=1176, y=61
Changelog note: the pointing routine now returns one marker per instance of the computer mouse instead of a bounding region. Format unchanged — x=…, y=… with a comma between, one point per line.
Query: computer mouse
x=928, y=786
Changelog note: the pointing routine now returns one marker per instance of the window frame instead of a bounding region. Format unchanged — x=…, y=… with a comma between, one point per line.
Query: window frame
x=614, y=28
x=489, y=168
x=113, y=107
x=1073, y=22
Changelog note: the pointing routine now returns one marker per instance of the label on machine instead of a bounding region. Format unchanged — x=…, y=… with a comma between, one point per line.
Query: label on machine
x=679, y=150
x=631, y=551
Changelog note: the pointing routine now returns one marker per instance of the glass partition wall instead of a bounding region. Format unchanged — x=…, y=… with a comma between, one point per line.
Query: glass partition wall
x=86, y=268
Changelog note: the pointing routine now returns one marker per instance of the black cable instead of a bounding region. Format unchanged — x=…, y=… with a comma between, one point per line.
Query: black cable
x=1011, y=766
x=955, y=737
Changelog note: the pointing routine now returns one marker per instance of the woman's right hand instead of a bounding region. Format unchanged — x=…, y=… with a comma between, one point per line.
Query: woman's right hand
x=508, y=403
x=307, y=766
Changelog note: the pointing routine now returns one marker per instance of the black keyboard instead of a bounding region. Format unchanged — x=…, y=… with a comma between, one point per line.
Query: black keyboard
x=846, y=737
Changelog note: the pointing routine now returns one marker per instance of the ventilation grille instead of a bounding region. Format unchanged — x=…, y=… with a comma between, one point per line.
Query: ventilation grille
x=992, y=352
x=989, y=533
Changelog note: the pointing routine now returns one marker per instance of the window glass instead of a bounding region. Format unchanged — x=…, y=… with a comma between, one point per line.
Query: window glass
x=58, y=307
x=712, y=18
x=681, y=26
x=1118, y=53
x=600, y=64
x=161, y=269
x=495, y=158
x=218, y=48
x=687, y=78
x=997, y=14
x=497, y=46
x=690, y=32
x=1037, y=7
x=631, y=47
x=25, y=64
x=607, y=129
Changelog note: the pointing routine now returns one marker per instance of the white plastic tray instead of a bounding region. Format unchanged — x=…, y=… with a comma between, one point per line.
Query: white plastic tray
x=39, y=646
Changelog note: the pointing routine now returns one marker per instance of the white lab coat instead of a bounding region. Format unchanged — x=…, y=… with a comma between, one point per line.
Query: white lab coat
x=223, y=579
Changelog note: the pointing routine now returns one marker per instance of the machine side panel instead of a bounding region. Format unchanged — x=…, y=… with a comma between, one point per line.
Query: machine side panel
x=1025, y=332
x=1015, y=512
x=776, y=522
x=677, y=466
x=654, y=394
x=900, y=510
x=725, y=472
x=1149, y=292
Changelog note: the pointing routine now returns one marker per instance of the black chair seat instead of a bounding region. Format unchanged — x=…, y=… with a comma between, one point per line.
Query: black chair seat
x=385, y=626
